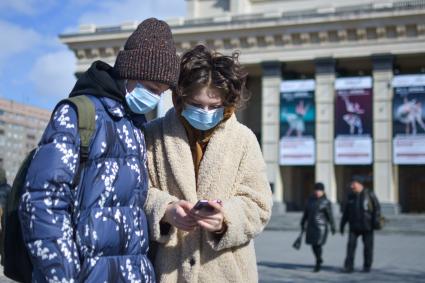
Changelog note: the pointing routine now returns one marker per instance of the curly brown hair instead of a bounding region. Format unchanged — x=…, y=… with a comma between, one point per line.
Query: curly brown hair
x=202, y=67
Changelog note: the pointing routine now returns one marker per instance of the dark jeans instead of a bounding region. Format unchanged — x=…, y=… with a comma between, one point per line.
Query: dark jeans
x=367, y=238
x=317, y=250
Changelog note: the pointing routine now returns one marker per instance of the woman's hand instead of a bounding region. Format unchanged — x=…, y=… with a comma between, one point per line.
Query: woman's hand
x=178, y=215
x=212, y=221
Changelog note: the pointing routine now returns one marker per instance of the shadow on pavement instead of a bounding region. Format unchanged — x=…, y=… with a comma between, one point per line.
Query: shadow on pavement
x=292, y=266
x=303, y=273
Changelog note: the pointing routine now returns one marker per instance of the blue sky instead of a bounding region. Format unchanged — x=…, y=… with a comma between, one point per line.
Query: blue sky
x=35, y=67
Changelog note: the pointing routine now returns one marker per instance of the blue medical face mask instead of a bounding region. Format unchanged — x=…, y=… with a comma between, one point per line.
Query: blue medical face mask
x=141, y=100
x=202, y=119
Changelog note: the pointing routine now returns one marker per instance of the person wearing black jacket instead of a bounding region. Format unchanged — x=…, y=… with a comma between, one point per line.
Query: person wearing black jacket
x=4, y=188
x=4, y=194
x=318, y=214
x=361, y=211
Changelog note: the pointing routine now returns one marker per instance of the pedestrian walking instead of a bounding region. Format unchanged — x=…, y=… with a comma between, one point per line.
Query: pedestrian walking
x=209, y=195
x=316, y=219
x=363, y=214
x=82, y=211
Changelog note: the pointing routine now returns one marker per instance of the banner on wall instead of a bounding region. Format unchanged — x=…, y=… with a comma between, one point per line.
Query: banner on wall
x=353, y=121
x=297, y=117
x=409, y=119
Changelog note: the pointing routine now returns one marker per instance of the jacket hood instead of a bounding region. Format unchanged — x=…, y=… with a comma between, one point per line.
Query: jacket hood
x=100, y=80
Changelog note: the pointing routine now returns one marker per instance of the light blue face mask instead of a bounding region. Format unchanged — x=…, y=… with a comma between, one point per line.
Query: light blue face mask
x=141, y=100
x=202, y=119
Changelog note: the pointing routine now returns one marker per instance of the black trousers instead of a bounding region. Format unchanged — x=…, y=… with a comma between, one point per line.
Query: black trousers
x=367, y=238
x=317, y=250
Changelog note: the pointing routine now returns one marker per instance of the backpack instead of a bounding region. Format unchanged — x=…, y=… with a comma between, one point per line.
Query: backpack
x=14, y=255
x=378, y=221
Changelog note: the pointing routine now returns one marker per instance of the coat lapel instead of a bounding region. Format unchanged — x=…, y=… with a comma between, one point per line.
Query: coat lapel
x=179, y=156
x=215, y=159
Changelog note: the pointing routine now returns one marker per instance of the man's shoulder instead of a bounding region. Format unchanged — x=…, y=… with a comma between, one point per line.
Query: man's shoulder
x=350, y=196
x=368, y=192
x=325, y=200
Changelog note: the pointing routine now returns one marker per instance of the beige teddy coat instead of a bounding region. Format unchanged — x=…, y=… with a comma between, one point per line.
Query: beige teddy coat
x=232, y=170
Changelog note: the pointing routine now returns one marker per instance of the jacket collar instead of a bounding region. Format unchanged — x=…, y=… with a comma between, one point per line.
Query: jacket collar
x=180, y=157
x=116, y=109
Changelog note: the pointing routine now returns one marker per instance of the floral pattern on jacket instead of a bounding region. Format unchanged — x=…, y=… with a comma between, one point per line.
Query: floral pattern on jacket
x=96, y=230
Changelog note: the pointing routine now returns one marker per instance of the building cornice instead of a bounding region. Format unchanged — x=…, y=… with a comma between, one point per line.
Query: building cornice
x=265, y=19
x=339, y=34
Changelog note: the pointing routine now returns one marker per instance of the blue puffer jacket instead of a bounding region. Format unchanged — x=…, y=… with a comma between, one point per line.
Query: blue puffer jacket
x=96, y=231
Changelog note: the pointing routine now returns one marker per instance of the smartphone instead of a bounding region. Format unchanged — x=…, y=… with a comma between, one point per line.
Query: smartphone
x=203, y=205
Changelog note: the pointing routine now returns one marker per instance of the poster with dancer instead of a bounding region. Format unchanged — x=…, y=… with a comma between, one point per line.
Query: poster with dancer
x=297, y=116
x=409, y=119
x=353, y=121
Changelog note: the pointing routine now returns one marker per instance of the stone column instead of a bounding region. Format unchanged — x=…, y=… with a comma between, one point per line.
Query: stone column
x=385, y=174
x=270, y=122
x=325, y=96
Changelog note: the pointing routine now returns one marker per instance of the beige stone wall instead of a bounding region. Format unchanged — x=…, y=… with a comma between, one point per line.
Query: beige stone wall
x=385, y=173
x=325, y=97
x=270, y=122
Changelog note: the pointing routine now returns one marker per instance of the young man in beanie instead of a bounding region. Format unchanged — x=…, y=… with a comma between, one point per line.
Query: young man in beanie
x=83, y=220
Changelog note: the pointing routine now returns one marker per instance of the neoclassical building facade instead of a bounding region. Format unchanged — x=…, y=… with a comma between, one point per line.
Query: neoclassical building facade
x=284, y=40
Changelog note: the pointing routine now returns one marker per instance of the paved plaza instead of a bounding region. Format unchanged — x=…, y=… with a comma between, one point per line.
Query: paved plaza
x=398, y=258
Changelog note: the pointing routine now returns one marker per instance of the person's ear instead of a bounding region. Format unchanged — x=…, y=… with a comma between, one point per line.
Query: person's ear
x=130, y=85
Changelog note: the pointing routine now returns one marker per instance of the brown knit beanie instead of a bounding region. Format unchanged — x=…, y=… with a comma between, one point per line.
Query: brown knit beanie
x=149, y=54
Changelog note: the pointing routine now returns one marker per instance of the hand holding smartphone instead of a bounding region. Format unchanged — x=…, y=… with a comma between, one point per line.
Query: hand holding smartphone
x=204, y=205
x=209, y=215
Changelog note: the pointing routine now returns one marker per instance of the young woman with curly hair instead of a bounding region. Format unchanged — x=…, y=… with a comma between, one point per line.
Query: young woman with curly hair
x=199, y=151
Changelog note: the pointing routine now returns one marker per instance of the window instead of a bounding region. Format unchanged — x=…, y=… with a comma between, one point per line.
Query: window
x=1, y=132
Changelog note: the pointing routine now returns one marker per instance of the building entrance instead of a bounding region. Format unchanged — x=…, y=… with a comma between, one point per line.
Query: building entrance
x=298, y=184
x=412, y=188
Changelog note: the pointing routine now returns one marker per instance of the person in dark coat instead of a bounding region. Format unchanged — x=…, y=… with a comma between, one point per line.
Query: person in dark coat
x=4, y=188
x=4, y=194
x=361, y=211
x=84, y=221
x=318, y=216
